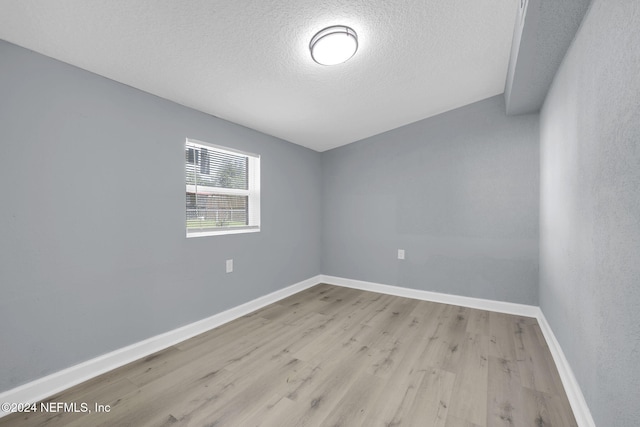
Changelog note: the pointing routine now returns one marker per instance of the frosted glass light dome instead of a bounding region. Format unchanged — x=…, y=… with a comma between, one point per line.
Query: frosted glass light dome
x=334, y=45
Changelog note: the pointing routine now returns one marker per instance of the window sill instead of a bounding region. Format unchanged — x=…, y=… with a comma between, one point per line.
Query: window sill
x=223, y=232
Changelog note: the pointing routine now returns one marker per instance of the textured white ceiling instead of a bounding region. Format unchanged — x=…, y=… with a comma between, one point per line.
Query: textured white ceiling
x=248, y=61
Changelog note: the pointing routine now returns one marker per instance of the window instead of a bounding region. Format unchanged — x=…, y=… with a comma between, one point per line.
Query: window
x=223, y=190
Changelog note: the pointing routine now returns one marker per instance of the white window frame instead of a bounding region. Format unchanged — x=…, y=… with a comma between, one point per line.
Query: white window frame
x=253, y=192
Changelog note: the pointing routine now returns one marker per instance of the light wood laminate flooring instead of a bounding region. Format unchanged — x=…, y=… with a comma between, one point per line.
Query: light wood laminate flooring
x=334, y=356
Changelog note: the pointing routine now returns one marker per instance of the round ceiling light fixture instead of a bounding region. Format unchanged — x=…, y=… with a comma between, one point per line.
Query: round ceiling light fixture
x=334, y=45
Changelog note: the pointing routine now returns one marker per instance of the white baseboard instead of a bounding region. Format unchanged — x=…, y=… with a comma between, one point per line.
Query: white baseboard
x=571, y=386
x=51, y=384
x=56, y=382
x=479, y=303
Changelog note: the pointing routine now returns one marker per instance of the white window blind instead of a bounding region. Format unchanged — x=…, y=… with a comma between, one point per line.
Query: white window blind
x=222, y=190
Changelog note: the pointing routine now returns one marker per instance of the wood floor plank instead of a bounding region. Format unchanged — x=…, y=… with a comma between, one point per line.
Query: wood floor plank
x=457, y=422
x=392, y=406
x=433, y=399
x=504, y=394
x=250, y=322
x=351, y=331
x=501, y=331
x=357, y=402
x=446, y=340
x=288, y=339
x=478, y=322
x=326, y=391
x=408, y=396
x=153, y=403
x=106, y=389
x=390, y=346
x=551, y=365
x=542, y=410
x=269, y=415
x=470, y=389
x=535, y=371
x=335, y=356
x=230, y=408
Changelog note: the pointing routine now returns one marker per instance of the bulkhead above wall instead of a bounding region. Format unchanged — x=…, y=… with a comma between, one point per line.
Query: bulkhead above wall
x=542, y=34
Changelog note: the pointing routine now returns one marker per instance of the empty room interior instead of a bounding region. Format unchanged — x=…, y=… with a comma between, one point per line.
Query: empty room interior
x=419, y=213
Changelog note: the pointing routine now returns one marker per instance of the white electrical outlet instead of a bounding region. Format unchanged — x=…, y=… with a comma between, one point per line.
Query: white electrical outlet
x=400, y=253
x=229, y=265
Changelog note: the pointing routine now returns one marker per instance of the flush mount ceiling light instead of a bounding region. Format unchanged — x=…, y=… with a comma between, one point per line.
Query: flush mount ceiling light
x=333, y=45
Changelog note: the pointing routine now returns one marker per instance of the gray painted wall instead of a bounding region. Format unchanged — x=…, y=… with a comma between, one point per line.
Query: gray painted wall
x=93, y=254
x=590, y=210
x=459, y=192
